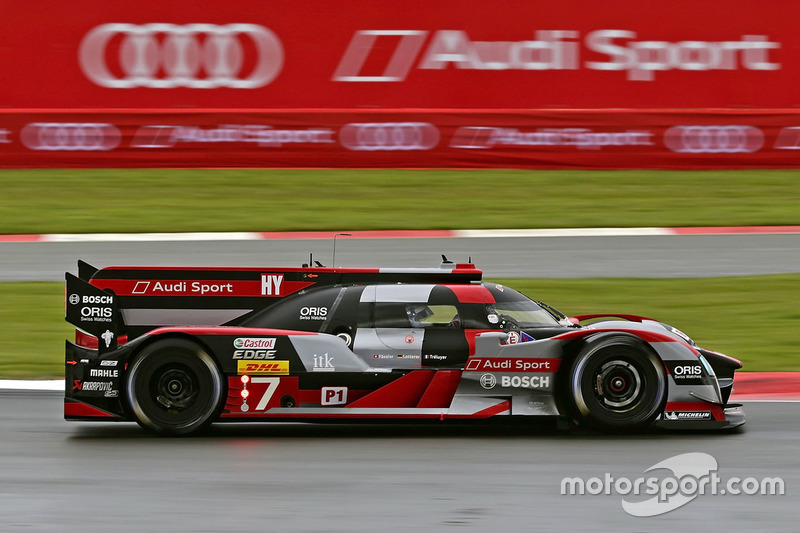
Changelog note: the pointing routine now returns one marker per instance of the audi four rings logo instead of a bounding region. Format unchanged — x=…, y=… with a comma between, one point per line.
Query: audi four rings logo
x=70, y=137
x=389, y=136
x=714, y=139
x=165, y=56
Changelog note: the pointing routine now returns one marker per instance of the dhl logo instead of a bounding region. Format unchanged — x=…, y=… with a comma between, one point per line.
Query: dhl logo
x=279, y=368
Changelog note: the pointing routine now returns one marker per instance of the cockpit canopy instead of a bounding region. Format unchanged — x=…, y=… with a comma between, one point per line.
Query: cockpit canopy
x=481, y=306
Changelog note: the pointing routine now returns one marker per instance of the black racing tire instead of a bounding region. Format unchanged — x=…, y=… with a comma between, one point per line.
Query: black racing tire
x=617, y=384
x=175, y=388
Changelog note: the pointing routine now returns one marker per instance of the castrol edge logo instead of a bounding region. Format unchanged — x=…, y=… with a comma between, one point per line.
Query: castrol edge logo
x=254, y=342
x=604, y=49
x=254, y=348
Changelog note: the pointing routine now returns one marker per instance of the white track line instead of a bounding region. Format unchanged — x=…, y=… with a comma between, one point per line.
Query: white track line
x=34, y=385
x=378, y=234
x=145, y=237
x=564, y=232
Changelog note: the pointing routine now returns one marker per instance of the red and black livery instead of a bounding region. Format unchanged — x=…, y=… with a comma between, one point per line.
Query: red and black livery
x=176, y=349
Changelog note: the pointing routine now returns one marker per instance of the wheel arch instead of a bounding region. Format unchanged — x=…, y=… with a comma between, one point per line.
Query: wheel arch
x=594, y=341
x=172, y=335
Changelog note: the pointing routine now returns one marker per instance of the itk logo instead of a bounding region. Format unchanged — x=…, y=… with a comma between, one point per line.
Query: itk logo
x=323, y=363
x=613, y=50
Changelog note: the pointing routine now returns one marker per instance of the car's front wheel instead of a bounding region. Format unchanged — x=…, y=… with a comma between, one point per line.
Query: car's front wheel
x=617, y=383
x=174, y=387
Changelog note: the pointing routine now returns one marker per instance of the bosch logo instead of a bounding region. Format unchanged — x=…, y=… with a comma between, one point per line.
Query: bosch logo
x=98, y=299
x=165, y=56
x=70, y=137
x=525, y=382
x=389, y=136
x=74, y=299
x=714, y=139
x=488, y=381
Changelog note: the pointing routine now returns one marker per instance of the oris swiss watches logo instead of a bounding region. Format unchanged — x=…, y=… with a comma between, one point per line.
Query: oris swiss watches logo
x=166, y=56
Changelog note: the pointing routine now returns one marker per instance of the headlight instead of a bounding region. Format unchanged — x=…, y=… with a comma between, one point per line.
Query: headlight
x=707, y=366
x=679, y=333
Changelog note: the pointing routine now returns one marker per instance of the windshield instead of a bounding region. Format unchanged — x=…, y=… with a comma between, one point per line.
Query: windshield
x=519, y=314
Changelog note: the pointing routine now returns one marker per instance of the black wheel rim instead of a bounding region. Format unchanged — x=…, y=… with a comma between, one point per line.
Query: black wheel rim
x=618, y=385
x=175, y=389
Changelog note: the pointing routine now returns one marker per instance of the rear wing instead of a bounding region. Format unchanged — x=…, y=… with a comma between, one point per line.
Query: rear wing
x=144, y=298
x=93, y=311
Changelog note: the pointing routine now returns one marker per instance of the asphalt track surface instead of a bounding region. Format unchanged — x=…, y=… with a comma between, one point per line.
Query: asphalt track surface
x=82, y=477
x=60, y=476
x=545, y=257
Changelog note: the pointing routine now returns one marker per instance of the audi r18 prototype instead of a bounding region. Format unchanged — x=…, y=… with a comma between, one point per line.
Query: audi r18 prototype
x=176, y=349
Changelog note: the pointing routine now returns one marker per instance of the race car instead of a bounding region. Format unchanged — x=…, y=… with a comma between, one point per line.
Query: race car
x=176, y=349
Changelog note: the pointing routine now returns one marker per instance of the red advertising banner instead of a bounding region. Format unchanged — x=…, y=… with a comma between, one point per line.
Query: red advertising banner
x=333, y=83
x=407, y=139
x=396, y=54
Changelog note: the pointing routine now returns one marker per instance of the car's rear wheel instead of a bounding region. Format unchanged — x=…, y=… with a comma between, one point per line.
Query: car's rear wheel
x=174, y=387
x=617, y=383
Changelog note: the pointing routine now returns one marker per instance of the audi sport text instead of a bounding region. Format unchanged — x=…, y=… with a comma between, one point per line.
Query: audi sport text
x=552, y=50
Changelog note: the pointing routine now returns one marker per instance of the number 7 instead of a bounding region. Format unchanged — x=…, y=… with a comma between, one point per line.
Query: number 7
x=272, y=386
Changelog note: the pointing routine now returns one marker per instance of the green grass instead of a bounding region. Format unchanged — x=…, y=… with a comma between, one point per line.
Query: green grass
x=32, y=330
x=755, y=319
x=159, y=200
